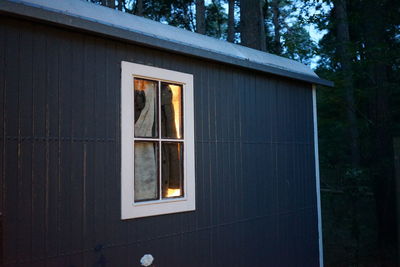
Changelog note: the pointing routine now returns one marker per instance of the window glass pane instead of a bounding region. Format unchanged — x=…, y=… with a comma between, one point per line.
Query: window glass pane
x=172, y=169
x=146, y=171
x=171, y=111
x=146, y=108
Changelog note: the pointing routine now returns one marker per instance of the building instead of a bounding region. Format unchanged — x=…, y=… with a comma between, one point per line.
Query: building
x=121, y=137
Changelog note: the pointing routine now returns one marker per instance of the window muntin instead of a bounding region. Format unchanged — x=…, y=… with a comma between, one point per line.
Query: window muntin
x=157, y=141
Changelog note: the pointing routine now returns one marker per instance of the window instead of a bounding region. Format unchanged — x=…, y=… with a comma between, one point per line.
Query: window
x=157, y=141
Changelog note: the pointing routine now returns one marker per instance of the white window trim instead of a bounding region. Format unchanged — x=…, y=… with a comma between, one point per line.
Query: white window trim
x=130, y=209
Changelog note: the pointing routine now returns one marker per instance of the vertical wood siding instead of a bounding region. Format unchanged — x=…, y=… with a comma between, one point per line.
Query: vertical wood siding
x=60, y=160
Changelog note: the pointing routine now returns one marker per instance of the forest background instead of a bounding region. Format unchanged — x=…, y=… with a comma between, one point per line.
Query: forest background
x=357, y=47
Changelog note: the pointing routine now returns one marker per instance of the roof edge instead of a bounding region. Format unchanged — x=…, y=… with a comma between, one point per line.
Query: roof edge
x=67, y=20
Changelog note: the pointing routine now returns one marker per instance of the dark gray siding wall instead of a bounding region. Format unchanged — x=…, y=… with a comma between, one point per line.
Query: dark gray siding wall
x=60, y=160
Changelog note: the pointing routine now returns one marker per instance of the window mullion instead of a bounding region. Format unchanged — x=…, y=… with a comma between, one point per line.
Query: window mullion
x=159, y=142
x=173, y=140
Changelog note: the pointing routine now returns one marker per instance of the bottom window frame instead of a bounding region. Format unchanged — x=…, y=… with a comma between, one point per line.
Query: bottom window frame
x=129, y=208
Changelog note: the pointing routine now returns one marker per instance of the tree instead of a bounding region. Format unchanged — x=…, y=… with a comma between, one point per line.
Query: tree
x=378, y=69
x=177, y=13
x=112, y=4
x=360, y=51
x=121, y=5
x=231, y=21
x=216, y=20
x=200, y=17
x=139, y=8
x=297, y=43
x=182, y=14
x=344, y=56
x=275, y=6
x=252, y=31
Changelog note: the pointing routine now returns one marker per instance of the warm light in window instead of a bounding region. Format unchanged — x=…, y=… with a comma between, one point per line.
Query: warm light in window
x=176, y=102
x=173, y=192
x=140, y=84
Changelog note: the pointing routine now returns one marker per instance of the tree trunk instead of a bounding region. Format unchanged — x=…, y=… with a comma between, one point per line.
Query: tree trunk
x=344, y=55
x=382, y=155
x=200, y=17
x=231, y=21
x=111, y=4
x=252, y=30
x=263, y=40
x=139, y=8
x=121, y=4
x=277, y=26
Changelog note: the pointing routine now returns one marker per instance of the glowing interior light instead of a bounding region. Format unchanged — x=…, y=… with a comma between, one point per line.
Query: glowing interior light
x=173, y=192
x=140, y=85
x=176, y=102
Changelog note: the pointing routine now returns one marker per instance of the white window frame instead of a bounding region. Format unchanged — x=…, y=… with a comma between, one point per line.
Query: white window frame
x=130, y=209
